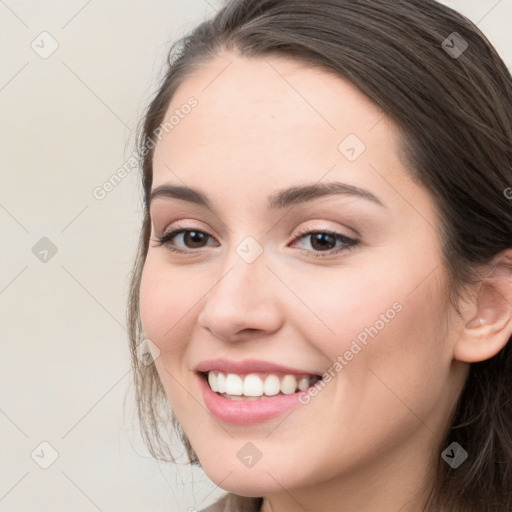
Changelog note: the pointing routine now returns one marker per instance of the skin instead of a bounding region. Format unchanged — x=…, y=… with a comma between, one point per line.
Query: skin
x=367, y=442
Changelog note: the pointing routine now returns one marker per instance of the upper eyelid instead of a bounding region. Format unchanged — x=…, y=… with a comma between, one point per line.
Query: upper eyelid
x=348, y=245
x=303, y=232
x=178, y=229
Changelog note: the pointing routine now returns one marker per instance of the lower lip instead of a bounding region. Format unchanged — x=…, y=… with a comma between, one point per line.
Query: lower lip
x=245, y=412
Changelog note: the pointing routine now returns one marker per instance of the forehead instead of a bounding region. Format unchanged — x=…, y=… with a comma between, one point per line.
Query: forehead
x=264, y=123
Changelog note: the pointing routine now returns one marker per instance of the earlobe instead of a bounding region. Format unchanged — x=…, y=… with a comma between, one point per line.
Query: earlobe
x=489, y=328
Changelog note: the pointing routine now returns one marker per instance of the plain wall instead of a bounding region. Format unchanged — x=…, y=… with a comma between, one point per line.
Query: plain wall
x=67, y=124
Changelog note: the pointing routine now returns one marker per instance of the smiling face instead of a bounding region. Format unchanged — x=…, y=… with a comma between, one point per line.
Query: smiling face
x=261, y=280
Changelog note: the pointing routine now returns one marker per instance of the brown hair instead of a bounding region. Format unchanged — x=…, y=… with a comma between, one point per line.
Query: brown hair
x=455, y=115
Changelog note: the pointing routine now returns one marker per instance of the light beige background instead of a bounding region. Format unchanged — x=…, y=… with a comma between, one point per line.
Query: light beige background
x=67, y=124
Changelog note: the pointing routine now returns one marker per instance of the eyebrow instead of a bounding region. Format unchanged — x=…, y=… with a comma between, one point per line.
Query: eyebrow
x=285, y=198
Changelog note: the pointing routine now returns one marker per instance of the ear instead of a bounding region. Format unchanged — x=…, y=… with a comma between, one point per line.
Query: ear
x=488, y=319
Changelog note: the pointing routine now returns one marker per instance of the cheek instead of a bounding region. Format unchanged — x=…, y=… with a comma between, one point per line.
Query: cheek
x=390, y=318
x=166, y=299
x=403, y=355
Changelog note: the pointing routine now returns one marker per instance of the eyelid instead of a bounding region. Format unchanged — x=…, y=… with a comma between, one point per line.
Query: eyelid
x=176, y=230
x=349, y=242
x=300, y=231
x=324, y=229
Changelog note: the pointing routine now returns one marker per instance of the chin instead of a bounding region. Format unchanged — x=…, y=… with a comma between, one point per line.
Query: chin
x=251, y=482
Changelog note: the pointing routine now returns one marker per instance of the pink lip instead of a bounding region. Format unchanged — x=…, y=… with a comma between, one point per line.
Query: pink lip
x=241, y=412
x=248, y=366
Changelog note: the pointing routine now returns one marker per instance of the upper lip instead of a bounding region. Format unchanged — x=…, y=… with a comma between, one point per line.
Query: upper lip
x=248, y=366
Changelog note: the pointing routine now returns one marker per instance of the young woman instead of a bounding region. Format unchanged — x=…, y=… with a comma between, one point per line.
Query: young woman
x=324, y=277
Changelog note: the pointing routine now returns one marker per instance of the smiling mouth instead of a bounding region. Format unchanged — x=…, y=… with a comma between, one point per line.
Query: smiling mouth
x=257, y=386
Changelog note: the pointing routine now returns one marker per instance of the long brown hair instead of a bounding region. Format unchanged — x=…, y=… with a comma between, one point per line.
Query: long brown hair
x=441, y=81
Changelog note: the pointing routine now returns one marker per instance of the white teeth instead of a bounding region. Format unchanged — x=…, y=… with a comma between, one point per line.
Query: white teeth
x=253, y=386
x=234, y=384
x=288, y=384
x=221, y=382
x=303, y=383
x=271, y=386
x=212, y=380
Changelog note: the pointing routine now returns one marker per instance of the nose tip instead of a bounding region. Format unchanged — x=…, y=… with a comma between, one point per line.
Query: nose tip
x=242, y=303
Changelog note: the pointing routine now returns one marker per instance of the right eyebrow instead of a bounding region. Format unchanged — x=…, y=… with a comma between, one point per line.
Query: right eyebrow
x=179, y=192
x=284, y=198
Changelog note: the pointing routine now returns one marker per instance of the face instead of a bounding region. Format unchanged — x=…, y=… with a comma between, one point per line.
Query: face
x=293, y=286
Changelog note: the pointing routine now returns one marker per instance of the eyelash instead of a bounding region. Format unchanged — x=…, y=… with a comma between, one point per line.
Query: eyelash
x=350, y=243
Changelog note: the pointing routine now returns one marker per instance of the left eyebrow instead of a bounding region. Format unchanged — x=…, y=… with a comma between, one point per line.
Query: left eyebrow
x=301, y=194
x=281, y=199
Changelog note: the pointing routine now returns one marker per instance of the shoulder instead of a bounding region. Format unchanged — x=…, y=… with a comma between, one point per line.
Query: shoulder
x=234, y=503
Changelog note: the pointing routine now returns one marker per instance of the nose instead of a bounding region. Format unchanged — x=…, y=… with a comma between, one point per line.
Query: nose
x=243, y=302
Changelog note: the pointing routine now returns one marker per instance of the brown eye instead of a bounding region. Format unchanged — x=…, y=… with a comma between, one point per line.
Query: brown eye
x=323, y=243
x=193, y=239
x=189, y=239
